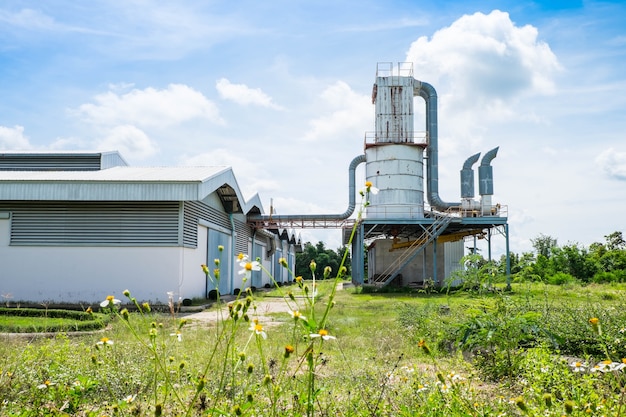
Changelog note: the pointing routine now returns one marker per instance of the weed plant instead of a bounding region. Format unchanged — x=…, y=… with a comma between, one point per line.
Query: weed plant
x=343, y=353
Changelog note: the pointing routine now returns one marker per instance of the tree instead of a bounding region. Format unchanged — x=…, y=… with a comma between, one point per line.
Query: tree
x=615, y=241
x=574, y=260
x=323, y=257
x=544, y=244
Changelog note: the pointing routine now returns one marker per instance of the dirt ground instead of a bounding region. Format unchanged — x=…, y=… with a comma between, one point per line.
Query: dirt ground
x=264, y=307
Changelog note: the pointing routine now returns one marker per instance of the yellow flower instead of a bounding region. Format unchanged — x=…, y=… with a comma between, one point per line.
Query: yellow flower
x=323, y=333
x=297, y=315
x=595, y=325
x=289, y=350
x=105, y=341
x=578, y=366
x=205, y=269
x=47, y=384
x=258, y=329
x=422, y=345
x=110, y=301
x=283, y=262
x=369, y=188
x=298, y=279
x=248, y=266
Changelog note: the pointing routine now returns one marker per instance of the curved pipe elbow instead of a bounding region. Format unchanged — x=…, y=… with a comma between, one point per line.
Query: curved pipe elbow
x=429, y=94
x=309, y=217
x=471, y=161
x=489, y=156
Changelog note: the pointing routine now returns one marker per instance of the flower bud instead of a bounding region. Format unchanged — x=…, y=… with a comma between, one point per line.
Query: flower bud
x=327, y=271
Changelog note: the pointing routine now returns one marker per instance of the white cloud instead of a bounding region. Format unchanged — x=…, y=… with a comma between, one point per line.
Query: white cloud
x=150, y=107
x=244, y=95
x=130, y=141
x=485, y=69
x=486, y=57
x=252, y=176
x=612, y=163
x=13, y=138
x=69, y=143
x=350, y=112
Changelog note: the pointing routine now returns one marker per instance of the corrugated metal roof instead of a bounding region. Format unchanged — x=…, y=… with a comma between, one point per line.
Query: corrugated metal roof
x=59, y=160
x=120, y=174
x=119, y=184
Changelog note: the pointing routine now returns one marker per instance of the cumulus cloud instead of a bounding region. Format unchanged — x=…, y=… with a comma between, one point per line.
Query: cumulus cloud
x=130, y=141
x=612, y=163
x=12, y=138
x=149, y=107
x=349, y=112
x=244, y=95
x=486, y=63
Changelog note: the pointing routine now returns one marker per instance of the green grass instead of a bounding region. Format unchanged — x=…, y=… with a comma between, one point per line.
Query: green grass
x=394, y=354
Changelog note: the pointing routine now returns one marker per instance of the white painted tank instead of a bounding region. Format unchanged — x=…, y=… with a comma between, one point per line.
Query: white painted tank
x=397, y=171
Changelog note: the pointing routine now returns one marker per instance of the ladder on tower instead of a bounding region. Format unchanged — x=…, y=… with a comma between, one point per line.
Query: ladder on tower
x=428, y=235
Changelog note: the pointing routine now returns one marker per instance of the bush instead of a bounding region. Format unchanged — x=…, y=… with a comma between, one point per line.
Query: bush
x=561, y=278
x=603, y=277
x=60, y=320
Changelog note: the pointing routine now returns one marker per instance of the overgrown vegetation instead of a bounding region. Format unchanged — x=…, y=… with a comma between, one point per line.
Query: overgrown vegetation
x=554, y=264
x=394, y=354
x=478, y=350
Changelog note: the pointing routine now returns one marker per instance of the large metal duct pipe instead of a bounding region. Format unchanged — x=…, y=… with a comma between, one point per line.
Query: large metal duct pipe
x=428, y=93
x=485, y=173
x=309, y=217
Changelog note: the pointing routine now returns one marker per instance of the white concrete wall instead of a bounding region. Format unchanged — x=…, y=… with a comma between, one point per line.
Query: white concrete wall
x=88, y=274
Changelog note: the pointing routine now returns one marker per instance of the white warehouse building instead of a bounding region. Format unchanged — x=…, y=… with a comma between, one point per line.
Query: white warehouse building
x=78, y=226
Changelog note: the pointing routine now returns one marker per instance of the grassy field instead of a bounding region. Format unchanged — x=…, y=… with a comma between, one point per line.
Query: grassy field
x=533, y=351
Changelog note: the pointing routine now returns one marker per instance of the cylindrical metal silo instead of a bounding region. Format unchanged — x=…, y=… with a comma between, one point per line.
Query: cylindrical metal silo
x=394, y=162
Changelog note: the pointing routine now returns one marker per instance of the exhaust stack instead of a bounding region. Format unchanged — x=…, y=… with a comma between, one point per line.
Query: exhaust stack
x=485, y=181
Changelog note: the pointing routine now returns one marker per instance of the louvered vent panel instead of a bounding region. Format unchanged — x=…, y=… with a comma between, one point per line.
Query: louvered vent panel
x=193, y=211
x=244, y=235
x=50, y=162
x=95, y=224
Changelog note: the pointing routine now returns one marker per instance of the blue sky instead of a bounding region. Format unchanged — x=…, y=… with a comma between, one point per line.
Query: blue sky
x=280, y=90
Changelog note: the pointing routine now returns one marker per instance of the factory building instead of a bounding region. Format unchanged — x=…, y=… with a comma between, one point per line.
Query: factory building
x=78, y=226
